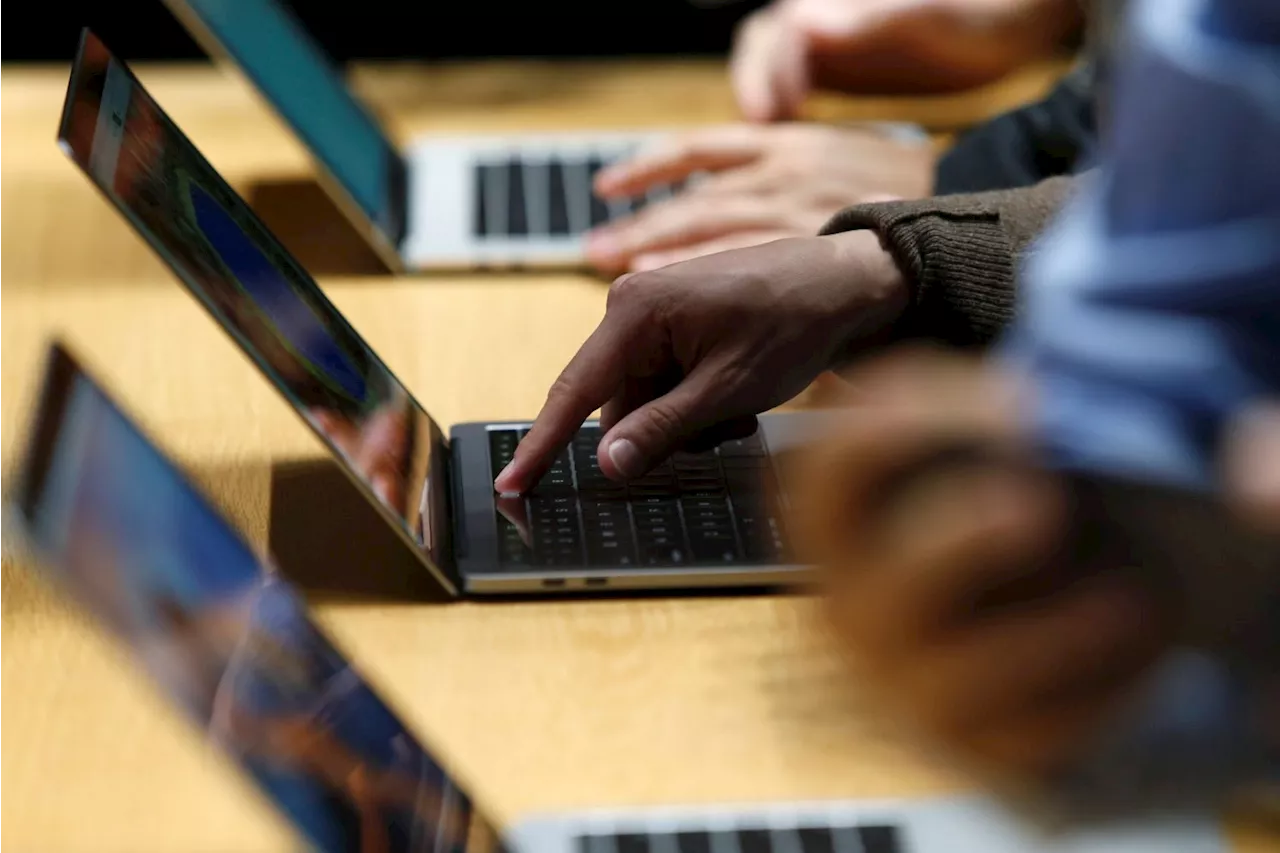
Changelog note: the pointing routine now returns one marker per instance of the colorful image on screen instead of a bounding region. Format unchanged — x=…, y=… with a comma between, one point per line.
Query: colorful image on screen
x=277, y=54
x=231, y=642
x=266, y=301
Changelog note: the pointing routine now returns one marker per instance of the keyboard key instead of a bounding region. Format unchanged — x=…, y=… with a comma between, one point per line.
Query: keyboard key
x=755, y=841
x=607, y=530
x=502, y=446
x=713, y=546
x=815, y=839
x=480, y=223
x=630, y=843
x=599, y=210
x=537, y=201
x=557, y=200
x=693, y=842
x=556, y=530
x=659, y=533
x=712, y=508
x=517, y=215
x=880, y=839
x=752, y=445
x=512, y=551
x=559, y=476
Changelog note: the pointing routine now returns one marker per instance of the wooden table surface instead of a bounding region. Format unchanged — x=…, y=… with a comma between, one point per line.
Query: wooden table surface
x=540, y=706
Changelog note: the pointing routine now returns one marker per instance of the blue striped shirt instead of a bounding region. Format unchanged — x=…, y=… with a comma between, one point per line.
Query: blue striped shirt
x=1152, y=313
x=1152, y=316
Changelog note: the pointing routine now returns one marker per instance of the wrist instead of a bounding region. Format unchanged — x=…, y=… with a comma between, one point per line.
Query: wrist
x=878, y=291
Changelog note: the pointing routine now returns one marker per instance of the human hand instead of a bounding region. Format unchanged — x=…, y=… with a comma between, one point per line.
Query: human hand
x=946, y=587
x=692, y=352
x=513, y=510
x=376, y=448
x=766, y=183
x=1253, y=464
x=792, y=46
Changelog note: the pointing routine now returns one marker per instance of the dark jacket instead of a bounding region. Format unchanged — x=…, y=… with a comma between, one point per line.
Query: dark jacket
x=996, y=191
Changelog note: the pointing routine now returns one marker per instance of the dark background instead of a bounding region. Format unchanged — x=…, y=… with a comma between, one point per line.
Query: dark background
x=417, y=29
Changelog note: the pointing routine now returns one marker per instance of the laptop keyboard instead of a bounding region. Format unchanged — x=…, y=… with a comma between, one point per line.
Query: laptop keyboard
x=548, y=198
x=713, y=509
x=865, y=838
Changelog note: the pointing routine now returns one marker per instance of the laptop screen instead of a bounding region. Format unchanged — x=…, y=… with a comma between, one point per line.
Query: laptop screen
x=223, y=636
x=278, y=56
x=233, y=265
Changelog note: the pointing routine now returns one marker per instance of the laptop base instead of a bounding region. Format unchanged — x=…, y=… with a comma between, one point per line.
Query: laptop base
x=959, y=824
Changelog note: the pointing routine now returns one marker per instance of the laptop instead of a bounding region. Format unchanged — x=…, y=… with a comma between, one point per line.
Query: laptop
x=121, y=530
x=700, y=521
x=444, y=201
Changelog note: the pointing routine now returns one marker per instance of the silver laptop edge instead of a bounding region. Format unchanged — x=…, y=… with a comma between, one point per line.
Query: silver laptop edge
x=957, y=824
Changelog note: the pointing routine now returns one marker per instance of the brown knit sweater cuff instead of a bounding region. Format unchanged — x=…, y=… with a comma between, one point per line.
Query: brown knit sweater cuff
x=961, y=255
x=961, y=271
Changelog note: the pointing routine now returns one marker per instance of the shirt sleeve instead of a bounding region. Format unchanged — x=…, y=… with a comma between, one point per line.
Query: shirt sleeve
x=960, y=254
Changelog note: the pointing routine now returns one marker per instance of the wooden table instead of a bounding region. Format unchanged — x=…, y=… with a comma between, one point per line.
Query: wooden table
x=540, y=706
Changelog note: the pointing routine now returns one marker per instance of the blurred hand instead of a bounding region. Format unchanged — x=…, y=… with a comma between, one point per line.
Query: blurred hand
x=766, y=183
x=792, y=46
x=692, y=352
x=945, y=588
x=377, y=448
x=1253, y=464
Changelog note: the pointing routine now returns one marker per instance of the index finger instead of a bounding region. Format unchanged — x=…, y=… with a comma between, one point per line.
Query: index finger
x=676, y=158
x=586, y=383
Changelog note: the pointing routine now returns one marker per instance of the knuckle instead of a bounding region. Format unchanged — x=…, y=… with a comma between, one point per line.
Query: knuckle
x=629, y=290
x=563, y=389
x=664, y=419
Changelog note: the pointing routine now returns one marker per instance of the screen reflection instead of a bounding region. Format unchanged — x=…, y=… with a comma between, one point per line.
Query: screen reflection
x=116, y=132
x=231, y=643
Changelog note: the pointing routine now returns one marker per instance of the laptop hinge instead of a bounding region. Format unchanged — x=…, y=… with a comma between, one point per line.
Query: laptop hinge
x=456, y=513
x=398, y=197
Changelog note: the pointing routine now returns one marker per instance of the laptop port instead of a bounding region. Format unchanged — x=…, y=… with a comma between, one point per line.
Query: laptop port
x=553, y=583
x=596, y=582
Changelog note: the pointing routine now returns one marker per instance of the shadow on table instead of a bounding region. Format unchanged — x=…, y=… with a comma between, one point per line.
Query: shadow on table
x=301, y=214
x=436, y=90
x=330, y=542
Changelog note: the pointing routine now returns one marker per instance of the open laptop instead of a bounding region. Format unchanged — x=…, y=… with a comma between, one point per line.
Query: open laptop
x=443, y=201
x=706, y=520
x=233, y=646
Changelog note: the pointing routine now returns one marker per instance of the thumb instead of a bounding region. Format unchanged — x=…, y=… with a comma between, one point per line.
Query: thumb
x=768, y=54
x=654, y=431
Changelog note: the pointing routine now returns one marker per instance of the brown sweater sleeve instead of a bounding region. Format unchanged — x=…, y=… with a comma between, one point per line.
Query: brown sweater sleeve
x=961, y=254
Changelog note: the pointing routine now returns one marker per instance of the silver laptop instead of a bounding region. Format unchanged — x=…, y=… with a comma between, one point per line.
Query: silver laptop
x=233, y=646
x=710, y=519
x=456, y=201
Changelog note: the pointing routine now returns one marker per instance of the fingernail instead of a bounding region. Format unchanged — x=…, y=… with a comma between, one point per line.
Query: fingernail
x=625, y=457
x=500, y=484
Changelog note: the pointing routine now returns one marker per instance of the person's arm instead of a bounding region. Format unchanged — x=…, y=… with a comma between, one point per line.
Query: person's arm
x=693, y=351
x=1056, y=135
x=960, y=255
